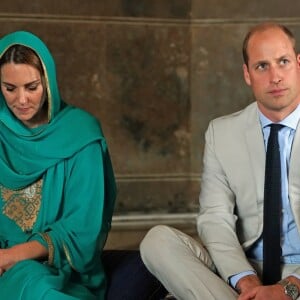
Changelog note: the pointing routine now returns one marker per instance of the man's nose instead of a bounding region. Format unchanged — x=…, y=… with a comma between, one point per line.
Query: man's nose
x=275, y=75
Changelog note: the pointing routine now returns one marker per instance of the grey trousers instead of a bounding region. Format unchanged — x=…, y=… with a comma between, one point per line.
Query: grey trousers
x=184, y=266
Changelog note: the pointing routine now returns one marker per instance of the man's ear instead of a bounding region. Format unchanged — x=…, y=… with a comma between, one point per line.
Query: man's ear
x=246, y=74
x=298, y=59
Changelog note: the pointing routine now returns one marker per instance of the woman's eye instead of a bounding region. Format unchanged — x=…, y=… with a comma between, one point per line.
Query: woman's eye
x=10, y=89
x=32, y=87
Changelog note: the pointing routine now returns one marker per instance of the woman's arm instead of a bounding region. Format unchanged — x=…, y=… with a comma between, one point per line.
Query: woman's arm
x=29, y=250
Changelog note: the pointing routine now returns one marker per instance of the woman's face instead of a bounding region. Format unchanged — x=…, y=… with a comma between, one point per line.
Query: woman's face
x=22, y=88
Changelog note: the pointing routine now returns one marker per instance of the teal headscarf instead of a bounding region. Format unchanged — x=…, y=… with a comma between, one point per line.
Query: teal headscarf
x=26, y=153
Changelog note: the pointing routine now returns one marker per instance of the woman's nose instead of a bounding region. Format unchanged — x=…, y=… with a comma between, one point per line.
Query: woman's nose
x=22, y=98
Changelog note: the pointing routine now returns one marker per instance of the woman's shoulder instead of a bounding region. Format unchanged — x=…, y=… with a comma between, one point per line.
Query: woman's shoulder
x=75, y=118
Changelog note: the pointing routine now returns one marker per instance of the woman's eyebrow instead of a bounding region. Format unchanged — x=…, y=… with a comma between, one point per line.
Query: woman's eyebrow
x=7, y=84
x=32, y=82
x=26, y=84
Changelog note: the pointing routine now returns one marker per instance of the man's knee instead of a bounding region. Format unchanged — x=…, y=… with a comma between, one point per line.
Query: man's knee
x=155, y=243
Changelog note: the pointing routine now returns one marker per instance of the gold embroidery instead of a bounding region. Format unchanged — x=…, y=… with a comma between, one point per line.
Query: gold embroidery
x=48, y=240
x=22, y=206
x=68, y=256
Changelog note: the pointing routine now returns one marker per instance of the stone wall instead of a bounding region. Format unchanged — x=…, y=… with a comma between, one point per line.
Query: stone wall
x=155, y=73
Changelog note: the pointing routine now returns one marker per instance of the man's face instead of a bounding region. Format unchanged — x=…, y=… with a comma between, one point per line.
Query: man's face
x=273, y=72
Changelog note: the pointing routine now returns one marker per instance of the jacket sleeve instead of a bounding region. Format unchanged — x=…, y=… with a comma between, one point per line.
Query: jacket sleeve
x=217, y=218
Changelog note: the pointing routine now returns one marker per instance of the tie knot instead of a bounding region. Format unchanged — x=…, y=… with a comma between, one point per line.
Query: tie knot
x=276, y=127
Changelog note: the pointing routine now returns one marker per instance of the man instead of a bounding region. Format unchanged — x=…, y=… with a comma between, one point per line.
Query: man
x=227, y=261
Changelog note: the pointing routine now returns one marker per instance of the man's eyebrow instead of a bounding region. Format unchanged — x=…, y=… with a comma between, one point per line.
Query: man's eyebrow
x=262, y=61
x=284, y=56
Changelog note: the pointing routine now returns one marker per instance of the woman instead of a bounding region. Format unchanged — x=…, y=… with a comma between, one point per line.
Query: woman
x=57, y=188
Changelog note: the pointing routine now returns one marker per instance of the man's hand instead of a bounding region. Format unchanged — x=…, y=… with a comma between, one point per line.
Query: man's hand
x=274, y=292
x=251, y=288
x=248, y=283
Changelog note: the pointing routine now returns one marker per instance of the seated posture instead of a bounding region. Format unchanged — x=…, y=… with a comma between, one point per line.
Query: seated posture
x=249, y=220
x=57, y=188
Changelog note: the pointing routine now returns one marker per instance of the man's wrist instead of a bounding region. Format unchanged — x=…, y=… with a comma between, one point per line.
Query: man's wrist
x=247, y=283
x=295, y=280
x=234, y=279
x=290, y=287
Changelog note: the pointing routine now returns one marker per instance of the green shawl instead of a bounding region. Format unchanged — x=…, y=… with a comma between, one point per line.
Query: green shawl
x=70, y=155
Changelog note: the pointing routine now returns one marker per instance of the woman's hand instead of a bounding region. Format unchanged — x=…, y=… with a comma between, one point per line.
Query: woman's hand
x=7, y=260
x=30, y=250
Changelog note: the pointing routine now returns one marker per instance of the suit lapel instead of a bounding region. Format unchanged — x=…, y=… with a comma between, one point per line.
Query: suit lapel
x=294, y=177
x=257, y=153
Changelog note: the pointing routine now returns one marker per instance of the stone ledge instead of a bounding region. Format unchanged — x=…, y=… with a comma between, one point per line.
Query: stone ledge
x=128, y=230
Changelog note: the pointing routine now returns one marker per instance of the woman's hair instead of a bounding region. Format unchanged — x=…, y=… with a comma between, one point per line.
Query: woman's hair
x=262, y=27
x=19, y=54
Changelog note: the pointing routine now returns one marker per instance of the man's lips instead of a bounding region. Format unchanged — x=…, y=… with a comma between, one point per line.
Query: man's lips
x=277, y=92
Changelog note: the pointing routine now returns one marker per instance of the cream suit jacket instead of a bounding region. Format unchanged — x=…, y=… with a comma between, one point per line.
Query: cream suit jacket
x=232, y=188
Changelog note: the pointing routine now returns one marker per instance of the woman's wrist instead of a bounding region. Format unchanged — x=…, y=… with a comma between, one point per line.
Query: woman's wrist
x=28, y=250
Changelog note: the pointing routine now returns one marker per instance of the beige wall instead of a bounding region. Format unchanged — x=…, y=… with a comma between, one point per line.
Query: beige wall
x=155, y=73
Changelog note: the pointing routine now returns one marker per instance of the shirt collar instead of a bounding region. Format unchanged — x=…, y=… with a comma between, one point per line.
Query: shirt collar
x=290, y=121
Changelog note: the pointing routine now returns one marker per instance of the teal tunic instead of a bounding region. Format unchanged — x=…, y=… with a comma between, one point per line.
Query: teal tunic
x=57, y=187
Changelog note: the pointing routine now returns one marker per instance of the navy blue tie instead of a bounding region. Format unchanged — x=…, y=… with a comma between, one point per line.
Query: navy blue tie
x=272, y=210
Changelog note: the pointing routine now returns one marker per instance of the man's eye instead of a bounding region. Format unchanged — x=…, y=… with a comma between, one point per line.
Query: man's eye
x=261, y=66
x=284, y=61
